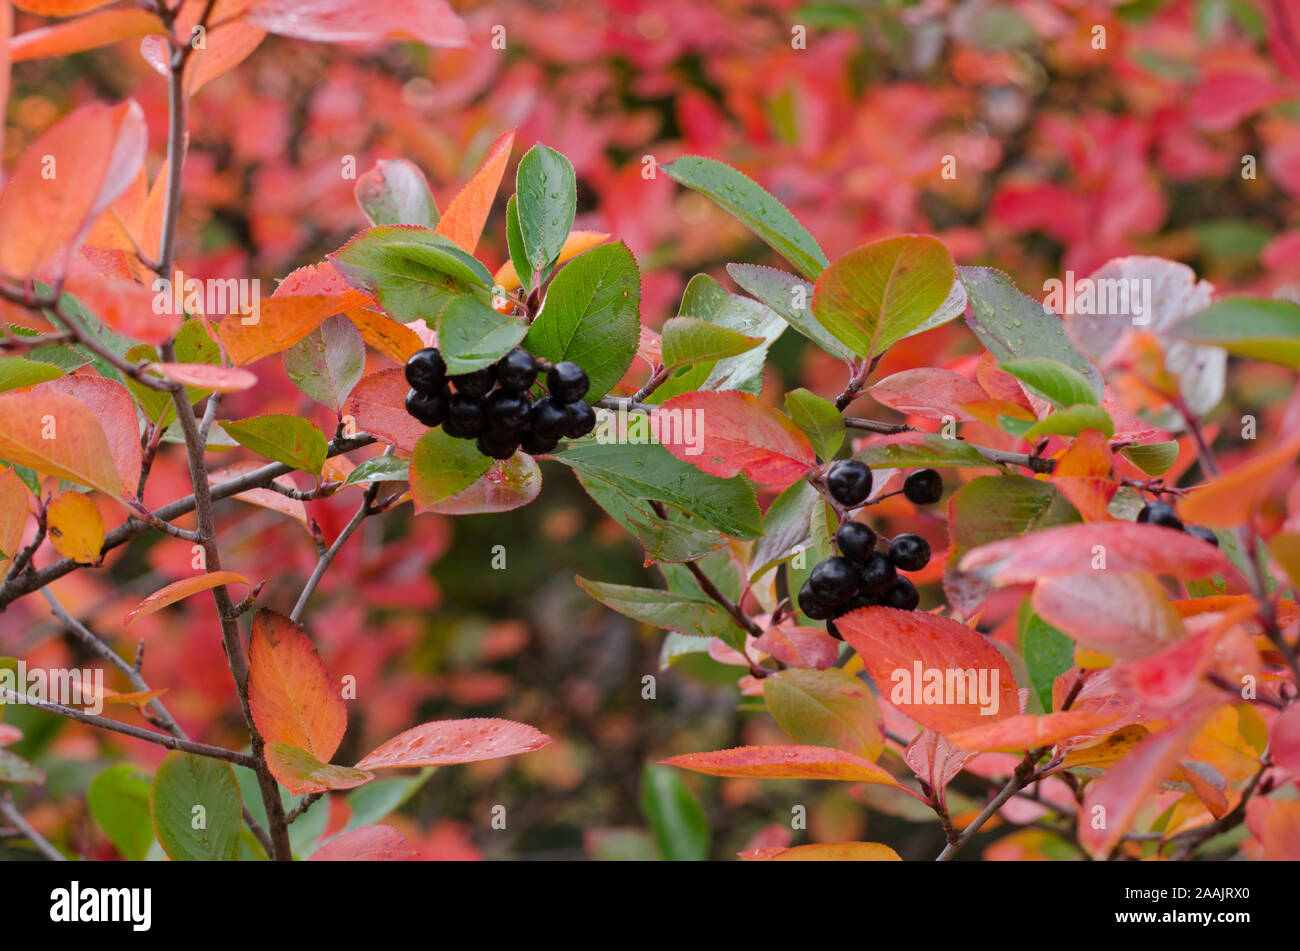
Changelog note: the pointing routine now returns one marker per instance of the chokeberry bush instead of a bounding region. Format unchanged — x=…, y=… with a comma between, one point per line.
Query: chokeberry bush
x=1051, y=594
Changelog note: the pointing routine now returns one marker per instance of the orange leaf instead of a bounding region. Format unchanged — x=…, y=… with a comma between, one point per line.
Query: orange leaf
x=302, y=773
x=75, y=449
x=112, y=406
x=58, y=8
x=1235, y=496
x=941, y=673
x=464, y=218
x=366, y=844
x=290, y=693
x=279, y=322
x=229, y=41
x=786, y=762
x=824, y=852
x=444, y=742
x=64, y=180
x=177, y=590
x=205, y=376
x=574, y=244
x=1275, y=824
x=123, y=306
x=395, y=341
x=85, y=33
x=13, y=517
x=1025, y=731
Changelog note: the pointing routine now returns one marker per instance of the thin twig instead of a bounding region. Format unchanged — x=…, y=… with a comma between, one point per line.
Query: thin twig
x=15, y=818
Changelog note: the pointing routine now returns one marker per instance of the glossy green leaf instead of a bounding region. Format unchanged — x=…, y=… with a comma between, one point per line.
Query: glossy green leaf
x=1053, y=381
x=687, y=340
x=790, y=297
x=699, y=616
x=380, y=469
x=404, y=287
x=930, y=449
x=1071, y=421
x=546, y=199
x=1046, y=651
x=17, y=372
x=291, y=440
x=471, y=335
x=447, y=258
x=441, y=466
x=119, y=803
x=819, y=419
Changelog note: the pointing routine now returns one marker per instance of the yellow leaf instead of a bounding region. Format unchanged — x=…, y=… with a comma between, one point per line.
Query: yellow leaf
x=76, y=528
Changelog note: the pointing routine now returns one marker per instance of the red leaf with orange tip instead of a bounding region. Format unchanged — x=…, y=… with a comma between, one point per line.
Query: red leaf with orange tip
x=367, y=844
x=290, y=693
x=464, y=218
x=893, y=643
x=736, y=433
x=95, y=152
x=1025, y=731
x=786, y=762
x=445, y=742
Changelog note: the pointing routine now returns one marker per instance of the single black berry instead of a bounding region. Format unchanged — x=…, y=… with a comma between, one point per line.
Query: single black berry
x=909, y=552
x=534, y=445
x=567, y=381
x=1203, y=533
x=465, y=417
x=877, y=574
x=550, y=420
x=849, y=482
x=903, y=595
x=498, y=444
x=923, y=487
x=834, y=580
x=508, y=411
x=1160, y=513
x=856, y=541
x=428, y=408
x=477, y=383
x=426, y=371
x=516, y=370
x=810, y=606
x=582, y=418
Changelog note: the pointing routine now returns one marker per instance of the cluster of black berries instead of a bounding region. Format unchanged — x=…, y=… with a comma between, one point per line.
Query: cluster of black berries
x=493, y=405
x=1162, y=513
x=860, y=576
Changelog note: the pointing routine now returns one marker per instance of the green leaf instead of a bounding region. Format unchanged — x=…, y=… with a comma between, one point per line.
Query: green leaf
x=1263, y=329
x=290, y=440
x=471, y=335
x=1047, y=652
x=699, y=616
x=622, y=845
x=790, y=297
x=196, y=808
x=929, y=450
x=819, y=419
x=1011, y=324
x=592, y=316
x=676, y=818
x=1153, y=458
x=991, y=508
x=1053, y=381
x=687, y=340
x=515, y=244
x=1071, y=421
x=753, y=206
x=447, y=258
x=119, y=803
x=441, y=466
x=650, y=471
x=14, y=769
x=327, y=363
x=16, y=372
x=380, y=469
x=826, y=708
x=405, y=288
x=547, y=194
x=677, y=645
x=879, y=293
x=785, y=527
x=674, y=539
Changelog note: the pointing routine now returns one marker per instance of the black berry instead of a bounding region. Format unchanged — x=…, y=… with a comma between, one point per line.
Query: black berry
x=498, y=444
x=550, y=420
x=428, y=408
x=856, y=541
x=474, y=384
x=534, y=445
x=833, y=631
x=810, y=606
x=909, y=552
x=465, y=417
x=1160, y=513
x=849, y=482
x=877, y=575
x=516, y=370
x=426, y=371
x=582, y=418
x=834, y=580
x=508, y=411
x=1203, y=533
x=923, y=487
x=903, y=595
x=567, y=382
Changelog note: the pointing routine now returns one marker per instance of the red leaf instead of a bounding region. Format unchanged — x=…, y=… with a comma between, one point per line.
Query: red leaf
x=1123, y=615
x=1284, y=36
x=63, y=181
x=1025, y=731
x=464, y=218
x=205, y=376
x=931, y=392
x=735, y=433
x=378, y=405
x=1069, y=550
x=431, y=22
x=935, y=761
x=895, y=645
x=290, y=693
x=786, y=762
x=506, y=486
x=367, y=844
x=178, y=590
x=1275, y=824
x=1284, y=740
x=799, y=646
x=444, y=742
x=123, y=306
